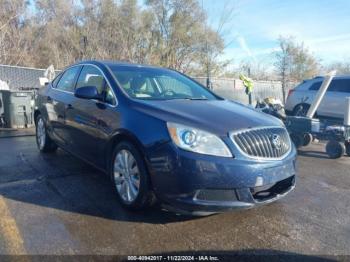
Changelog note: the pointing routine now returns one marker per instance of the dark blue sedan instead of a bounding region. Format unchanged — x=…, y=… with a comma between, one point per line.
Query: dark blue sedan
x=163, y=137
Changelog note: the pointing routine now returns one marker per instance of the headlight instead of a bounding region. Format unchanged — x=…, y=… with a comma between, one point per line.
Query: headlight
x=198, y=141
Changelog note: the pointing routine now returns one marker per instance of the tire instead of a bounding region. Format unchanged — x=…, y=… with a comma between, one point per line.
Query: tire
x=308, y=138
x=335, y=149
x=347, y=148
x=301, y=110
x=297, y=140
x=132, y=184
x=44, y=142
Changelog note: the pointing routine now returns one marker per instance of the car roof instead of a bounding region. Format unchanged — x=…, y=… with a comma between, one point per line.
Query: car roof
x=336, y=77
x=118, y=63
x=307, y=82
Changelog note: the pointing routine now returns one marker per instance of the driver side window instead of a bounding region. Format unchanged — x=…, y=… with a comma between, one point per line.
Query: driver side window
x=91, y=76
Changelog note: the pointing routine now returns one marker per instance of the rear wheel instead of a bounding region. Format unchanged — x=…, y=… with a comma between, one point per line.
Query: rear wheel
x=298, y=140
x=130, y=177
x=43, y=141
x=347, y=148
x=308, y=138
x=335, y=149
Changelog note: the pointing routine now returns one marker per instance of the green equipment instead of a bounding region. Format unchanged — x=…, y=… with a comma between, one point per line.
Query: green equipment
x=248, y=83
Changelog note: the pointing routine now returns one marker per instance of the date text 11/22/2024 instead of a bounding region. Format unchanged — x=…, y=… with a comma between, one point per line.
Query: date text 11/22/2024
x=173, y=258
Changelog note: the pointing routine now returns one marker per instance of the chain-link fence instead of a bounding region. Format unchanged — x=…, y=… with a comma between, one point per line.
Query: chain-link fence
x=229, y=88
x=233, y=89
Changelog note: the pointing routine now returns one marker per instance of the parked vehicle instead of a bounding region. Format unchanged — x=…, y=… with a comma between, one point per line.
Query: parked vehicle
x=162, y=136
x=332, y=105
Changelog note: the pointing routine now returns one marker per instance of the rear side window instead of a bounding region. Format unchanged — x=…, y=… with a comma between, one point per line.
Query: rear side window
x=315, y=86
x=337, y=85
x=67, y=81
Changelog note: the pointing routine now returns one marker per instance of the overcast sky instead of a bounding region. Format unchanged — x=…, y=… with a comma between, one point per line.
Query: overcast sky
x=324, y=27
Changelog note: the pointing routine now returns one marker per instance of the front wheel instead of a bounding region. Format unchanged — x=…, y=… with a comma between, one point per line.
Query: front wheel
x=43, y=141
x=130, y=177
x=301, y=110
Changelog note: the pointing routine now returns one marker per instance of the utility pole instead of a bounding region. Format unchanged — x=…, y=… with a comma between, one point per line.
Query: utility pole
x=284, y=69
x=207, y=52
x=208, y=68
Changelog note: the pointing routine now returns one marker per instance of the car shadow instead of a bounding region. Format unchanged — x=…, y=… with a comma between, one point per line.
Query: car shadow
x=313, y=154
x=63, y=182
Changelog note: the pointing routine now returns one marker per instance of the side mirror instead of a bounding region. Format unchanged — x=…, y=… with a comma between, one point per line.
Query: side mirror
x=87, y=92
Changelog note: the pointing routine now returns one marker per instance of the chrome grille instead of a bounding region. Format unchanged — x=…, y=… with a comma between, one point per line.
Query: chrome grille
x=267, y=142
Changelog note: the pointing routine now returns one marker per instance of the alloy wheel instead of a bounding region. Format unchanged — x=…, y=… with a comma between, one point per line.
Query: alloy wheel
x=126, y=176
x=41, y=133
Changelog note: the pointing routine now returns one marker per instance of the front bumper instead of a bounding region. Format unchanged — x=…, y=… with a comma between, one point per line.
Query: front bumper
x=187, y=182
x=243, y=198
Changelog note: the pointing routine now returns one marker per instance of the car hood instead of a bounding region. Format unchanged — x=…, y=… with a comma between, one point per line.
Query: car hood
x=216, y=116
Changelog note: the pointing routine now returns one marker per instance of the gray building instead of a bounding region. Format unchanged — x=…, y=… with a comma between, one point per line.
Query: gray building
x=21, y=78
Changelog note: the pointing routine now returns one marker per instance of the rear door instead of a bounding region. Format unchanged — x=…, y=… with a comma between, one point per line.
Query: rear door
x=338, y=91
x=311, y=95
x=90, y=121
x=58, y=98
x=333, y=103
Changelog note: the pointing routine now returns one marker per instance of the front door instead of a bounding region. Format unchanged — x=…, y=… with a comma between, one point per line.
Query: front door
x=58, y=98
x=92, y=121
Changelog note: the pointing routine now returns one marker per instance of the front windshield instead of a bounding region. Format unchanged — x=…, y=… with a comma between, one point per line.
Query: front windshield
x=158, y=84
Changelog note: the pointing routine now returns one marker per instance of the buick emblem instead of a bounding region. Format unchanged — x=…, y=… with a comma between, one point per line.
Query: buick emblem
x=276, y=141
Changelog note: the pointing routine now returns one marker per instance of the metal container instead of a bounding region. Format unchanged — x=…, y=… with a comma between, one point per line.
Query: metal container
x=18, y=108
x=297, y=124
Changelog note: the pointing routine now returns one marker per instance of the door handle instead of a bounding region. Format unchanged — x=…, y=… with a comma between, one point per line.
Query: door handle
x=69, y=106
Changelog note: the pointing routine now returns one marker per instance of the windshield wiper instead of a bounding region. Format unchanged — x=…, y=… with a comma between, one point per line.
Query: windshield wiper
x=195, y=98
x=185, y=98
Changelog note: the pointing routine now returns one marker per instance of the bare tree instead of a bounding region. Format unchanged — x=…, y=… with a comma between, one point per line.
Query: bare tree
x=343, y=68
x=214, y=43
x=168, y=33
x=294, y=62
x=13, y=45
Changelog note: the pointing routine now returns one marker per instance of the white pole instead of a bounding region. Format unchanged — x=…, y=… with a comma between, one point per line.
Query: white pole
x=320, y=94
x=347, y=112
